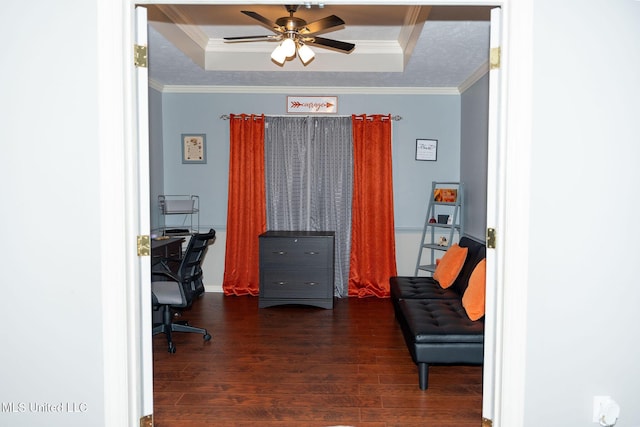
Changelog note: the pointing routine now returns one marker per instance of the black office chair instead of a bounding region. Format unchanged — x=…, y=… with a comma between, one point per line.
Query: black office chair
x=172, y=292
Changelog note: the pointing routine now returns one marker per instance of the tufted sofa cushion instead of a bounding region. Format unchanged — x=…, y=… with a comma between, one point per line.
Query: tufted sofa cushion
x=439, y=331
x=419, y=288
x=440, y=321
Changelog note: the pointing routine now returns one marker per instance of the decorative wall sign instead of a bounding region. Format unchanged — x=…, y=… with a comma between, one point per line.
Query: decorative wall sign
x=427, y=149
x=194, y=148
x=312, y=104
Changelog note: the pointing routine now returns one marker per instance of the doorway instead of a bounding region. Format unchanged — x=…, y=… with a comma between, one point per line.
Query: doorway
x=453, y=3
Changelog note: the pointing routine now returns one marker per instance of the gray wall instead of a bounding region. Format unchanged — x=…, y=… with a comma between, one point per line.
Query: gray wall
x=473, y=157
x=583, y=293
x=156, y=153
x=51, y=324
x=423, y=116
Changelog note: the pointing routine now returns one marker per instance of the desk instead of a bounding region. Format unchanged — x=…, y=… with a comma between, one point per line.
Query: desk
x=168, y=251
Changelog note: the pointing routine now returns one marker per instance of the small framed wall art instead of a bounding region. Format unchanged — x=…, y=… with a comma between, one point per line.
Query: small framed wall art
x=427, y=149
x=194, y=148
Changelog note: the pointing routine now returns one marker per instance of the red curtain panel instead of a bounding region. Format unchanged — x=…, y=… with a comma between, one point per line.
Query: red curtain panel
x=373, y=258
x=246, y=214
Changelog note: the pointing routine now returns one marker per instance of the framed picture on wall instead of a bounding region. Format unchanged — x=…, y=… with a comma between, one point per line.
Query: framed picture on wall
x=194, y=148
x=427, y=149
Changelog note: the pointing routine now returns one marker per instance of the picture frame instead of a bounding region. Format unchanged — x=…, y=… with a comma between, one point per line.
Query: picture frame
x=427, y=150
x=194, y=148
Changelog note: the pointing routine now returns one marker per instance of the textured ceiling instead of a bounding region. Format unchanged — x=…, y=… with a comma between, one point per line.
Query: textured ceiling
x=432, y=47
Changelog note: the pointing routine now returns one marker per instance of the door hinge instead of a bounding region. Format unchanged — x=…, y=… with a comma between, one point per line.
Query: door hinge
x=140, y=56
x=491, y=238
x=146, y=421
x=486, y=422
x=144, y=245
x=494, y=58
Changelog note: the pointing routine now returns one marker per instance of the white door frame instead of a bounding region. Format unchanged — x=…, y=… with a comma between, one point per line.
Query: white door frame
x=143, y=316
x=513, y=220
x=118, y=194
x=495, y=169
x=118, y=143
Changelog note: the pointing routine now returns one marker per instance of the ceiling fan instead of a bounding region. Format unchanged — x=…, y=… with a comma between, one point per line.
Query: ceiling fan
x=295, y=34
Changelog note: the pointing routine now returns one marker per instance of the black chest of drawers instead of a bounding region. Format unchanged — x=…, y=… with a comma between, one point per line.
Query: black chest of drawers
x=296, y=267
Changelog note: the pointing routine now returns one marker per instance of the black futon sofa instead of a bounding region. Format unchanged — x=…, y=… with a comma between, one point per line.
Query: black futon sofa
x=434, y=323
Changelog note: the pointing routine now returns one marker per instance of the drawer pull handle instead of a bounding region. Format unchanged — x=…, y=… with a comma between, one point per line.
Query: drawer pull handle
x=311, y=283
x=280, y=283
x=280, y=252
x=312, y=253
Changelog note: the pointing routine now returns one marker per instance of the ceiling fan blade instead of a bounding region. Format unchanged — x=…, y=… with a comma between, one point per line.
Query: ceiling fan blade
x=251, y=38
x=264, y=21
x=336, y=44
x=321, y=25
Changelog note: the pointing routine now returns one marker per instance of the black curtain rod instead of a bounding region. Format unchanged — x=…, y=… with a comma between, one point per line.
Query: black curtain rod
x=227, y=117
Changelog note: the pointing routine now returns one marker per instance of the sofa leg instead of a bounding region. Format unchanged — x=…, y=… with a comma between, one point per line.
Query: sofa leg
x=423, y=375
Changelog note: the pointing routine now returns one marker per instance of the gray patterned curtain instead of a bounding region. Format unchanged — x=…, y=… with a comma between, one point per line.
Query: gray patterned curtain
x=309, y=180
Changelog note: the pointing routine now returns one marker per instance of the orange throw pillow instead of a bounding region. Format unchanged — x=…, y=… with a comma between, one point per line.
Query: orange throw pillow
x=450, y=265
x=473, y=298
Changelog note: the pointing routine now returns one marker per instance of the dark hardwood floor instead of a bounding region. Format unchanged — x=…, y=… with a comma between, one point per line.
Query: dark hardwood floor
x=303, y=366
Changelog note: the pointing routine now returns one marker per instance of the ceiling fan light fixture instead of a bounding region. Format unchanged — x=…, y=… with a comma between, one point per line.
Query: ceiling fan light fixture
x=288, y=46
x=305, y=53
x=278, y=55
x=293, y=32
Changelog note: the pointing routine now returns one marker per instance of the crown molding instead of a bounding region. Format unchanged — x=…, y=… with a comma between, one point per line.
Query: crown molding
x=309, y=90
x=411, y=29
x=185, y=24
x=153, y=84
x=379, y=55
x=473, y=78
